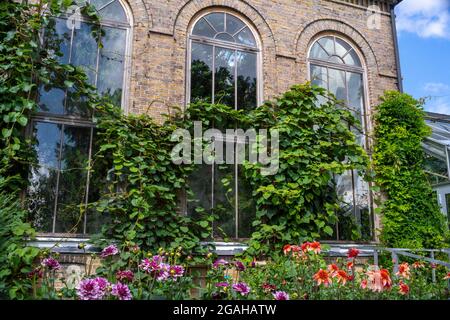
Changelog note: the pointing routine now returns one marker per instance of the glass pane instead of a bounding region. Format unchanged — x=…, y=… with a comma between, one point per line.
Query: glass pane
x=72, y=181
x=355, y=100
x=337, y=83
x=328, y=44
x=60, y=38
x=447, y=201
x=111, y=64
x=346, y=214
x=233, y=24
x=336, y=59
x=98, y=4
x=225, y=37
x=318, y=53
x=224, y=76
x=217, y=20
x=224, y=201
x=43, y=176
x=352, y=59
x=202, y=28
x=246, y=206
x=246, y=37
x=51, y=100
x=342, y=47
x=319, y=76
x=362, y=209
x=114, y=12
x=200, y=182
x=201, y=72
x=246, y=80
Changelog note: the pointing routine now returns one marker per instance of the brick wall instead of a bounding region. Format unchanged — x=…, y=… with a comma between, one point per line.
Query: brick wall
x=285, y=27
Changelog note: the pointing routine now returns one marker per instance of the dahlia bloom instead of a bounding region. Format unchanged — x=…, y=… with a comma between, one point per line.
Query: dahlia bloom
x=322, y=276
x=222, y=284
x=342, y=277
x=176, y=271
x=280, y=295
x=418, y=265
x=219, y=262
x=378, y=280
x=333, y=269
x=239, y=266
x=241, y=288
x=89, y=289
x=364, y=284
x=102, y=283
x=151, y=265
x=269, y=287
x=350, y=265
x=126, y=275
x=36, y=272
x=447, y=277
x=51, y=264
x=315, y=247
x=403, y=288
x=403, y=270
x=352, y=253
x=110, y=250
x=164, y=272
x=121, y=291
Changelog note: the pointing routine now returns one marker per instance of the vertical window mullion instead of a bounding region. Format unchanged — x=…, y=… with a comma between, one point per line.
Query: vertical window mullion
x=55, y=207
x=236, y=168
x=88, y=176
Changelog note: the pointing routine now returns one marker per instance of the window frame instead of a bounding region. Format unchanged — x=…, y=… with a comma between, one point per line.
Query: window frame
x=257, y=50
x=82, y=122
x=365, y=115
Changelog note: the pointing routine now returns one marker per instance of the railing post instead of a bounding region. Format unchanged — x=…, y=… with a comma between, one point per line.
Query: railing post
x=375, y=257
x=433, y=270
x=395, y=261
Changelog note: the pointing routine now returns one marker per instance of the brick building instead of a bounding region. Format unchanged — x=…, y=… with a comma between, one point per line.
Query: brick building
x=247, y=50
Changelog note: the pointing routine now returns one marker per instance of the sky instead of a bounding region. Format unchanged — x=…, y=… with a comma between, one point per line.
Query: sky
x=423, y=28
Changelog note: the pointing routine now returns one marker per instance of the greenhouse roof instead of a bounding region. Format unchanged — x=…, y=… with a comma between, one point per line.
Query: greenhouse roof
x=438, y=144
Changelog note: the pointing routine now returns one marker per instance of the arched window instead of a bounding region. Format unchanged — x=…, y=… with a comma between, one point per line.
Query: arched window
x=63, y=130
x=336, y=66
x=223, y=68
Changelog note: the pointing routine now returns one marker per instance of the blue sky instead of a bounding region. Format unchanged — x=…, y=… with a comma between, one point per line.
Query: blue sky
x=424, y=38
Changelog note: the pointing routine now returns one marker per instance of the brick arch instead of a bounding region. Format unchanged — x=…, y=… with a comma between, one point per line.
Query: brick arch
x=311, y=30
x=141, y=15
x=192, y=8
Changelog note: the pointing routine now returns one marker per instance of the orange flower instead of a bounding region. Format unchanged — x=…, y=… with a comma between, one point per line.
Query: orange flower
x=315, y=247
x=403, y=288
x=305, y=246
x=403, y=270
x=447, y=277
x=418, y=265
x=333, y=269
x=322, y=276
x=352, y=253
x=342, y=277
x=349, y=265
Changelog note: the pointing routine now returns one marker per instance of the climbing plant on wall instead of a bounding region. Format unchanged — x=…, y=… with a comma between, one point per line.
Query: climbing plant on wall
x=410, y=216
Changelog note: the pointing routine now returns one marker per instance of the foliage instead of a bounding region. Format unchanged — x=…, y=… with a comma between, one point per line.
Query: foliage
x=409, y=218
x=16, y=259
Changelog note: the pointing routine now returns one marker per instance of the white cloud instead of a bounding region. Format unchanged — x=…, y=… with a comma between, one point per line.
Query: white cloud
x=436, y=88
x=439, y=105
x=426, y=18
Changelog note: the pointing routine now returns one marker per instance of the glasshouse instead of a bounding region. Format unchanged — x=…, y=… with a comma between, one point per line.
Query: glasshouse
x=216, y=150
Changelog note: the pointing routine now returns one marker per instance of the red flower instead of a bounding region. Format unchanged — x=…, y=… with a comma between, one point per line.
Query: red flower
x=322, y=276
x=352, y=253
x=403, y=270
x=403, y=288
x=447, y=277
x=305, y=246
x=378, y=280
x=315, y=247
x=342, y=277
x=269, y=287
x=418, y=265
x=333, y=269
x=364, y=284
x=287, y=249
x=350, y=265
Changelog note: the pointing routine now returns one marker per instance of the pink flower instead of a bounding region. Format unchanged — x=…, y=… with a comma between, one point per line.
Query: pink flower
x=110, y=250
x=126, y=275
x=121, y=291
x=102, y=283
x=163, y=273
x=151, y=265
x=222, y=284
x=280, y=295
x=176, y=271
x=38, y=273
x=89, y=289
x=219, y=262
x=241, y=288
x=239, y=266
x=403, y=288
x=51, y=264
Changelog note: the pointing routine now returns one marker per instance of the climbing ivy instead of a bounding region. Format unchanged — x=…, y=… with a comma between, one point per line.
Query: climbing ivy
x=410, y=216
